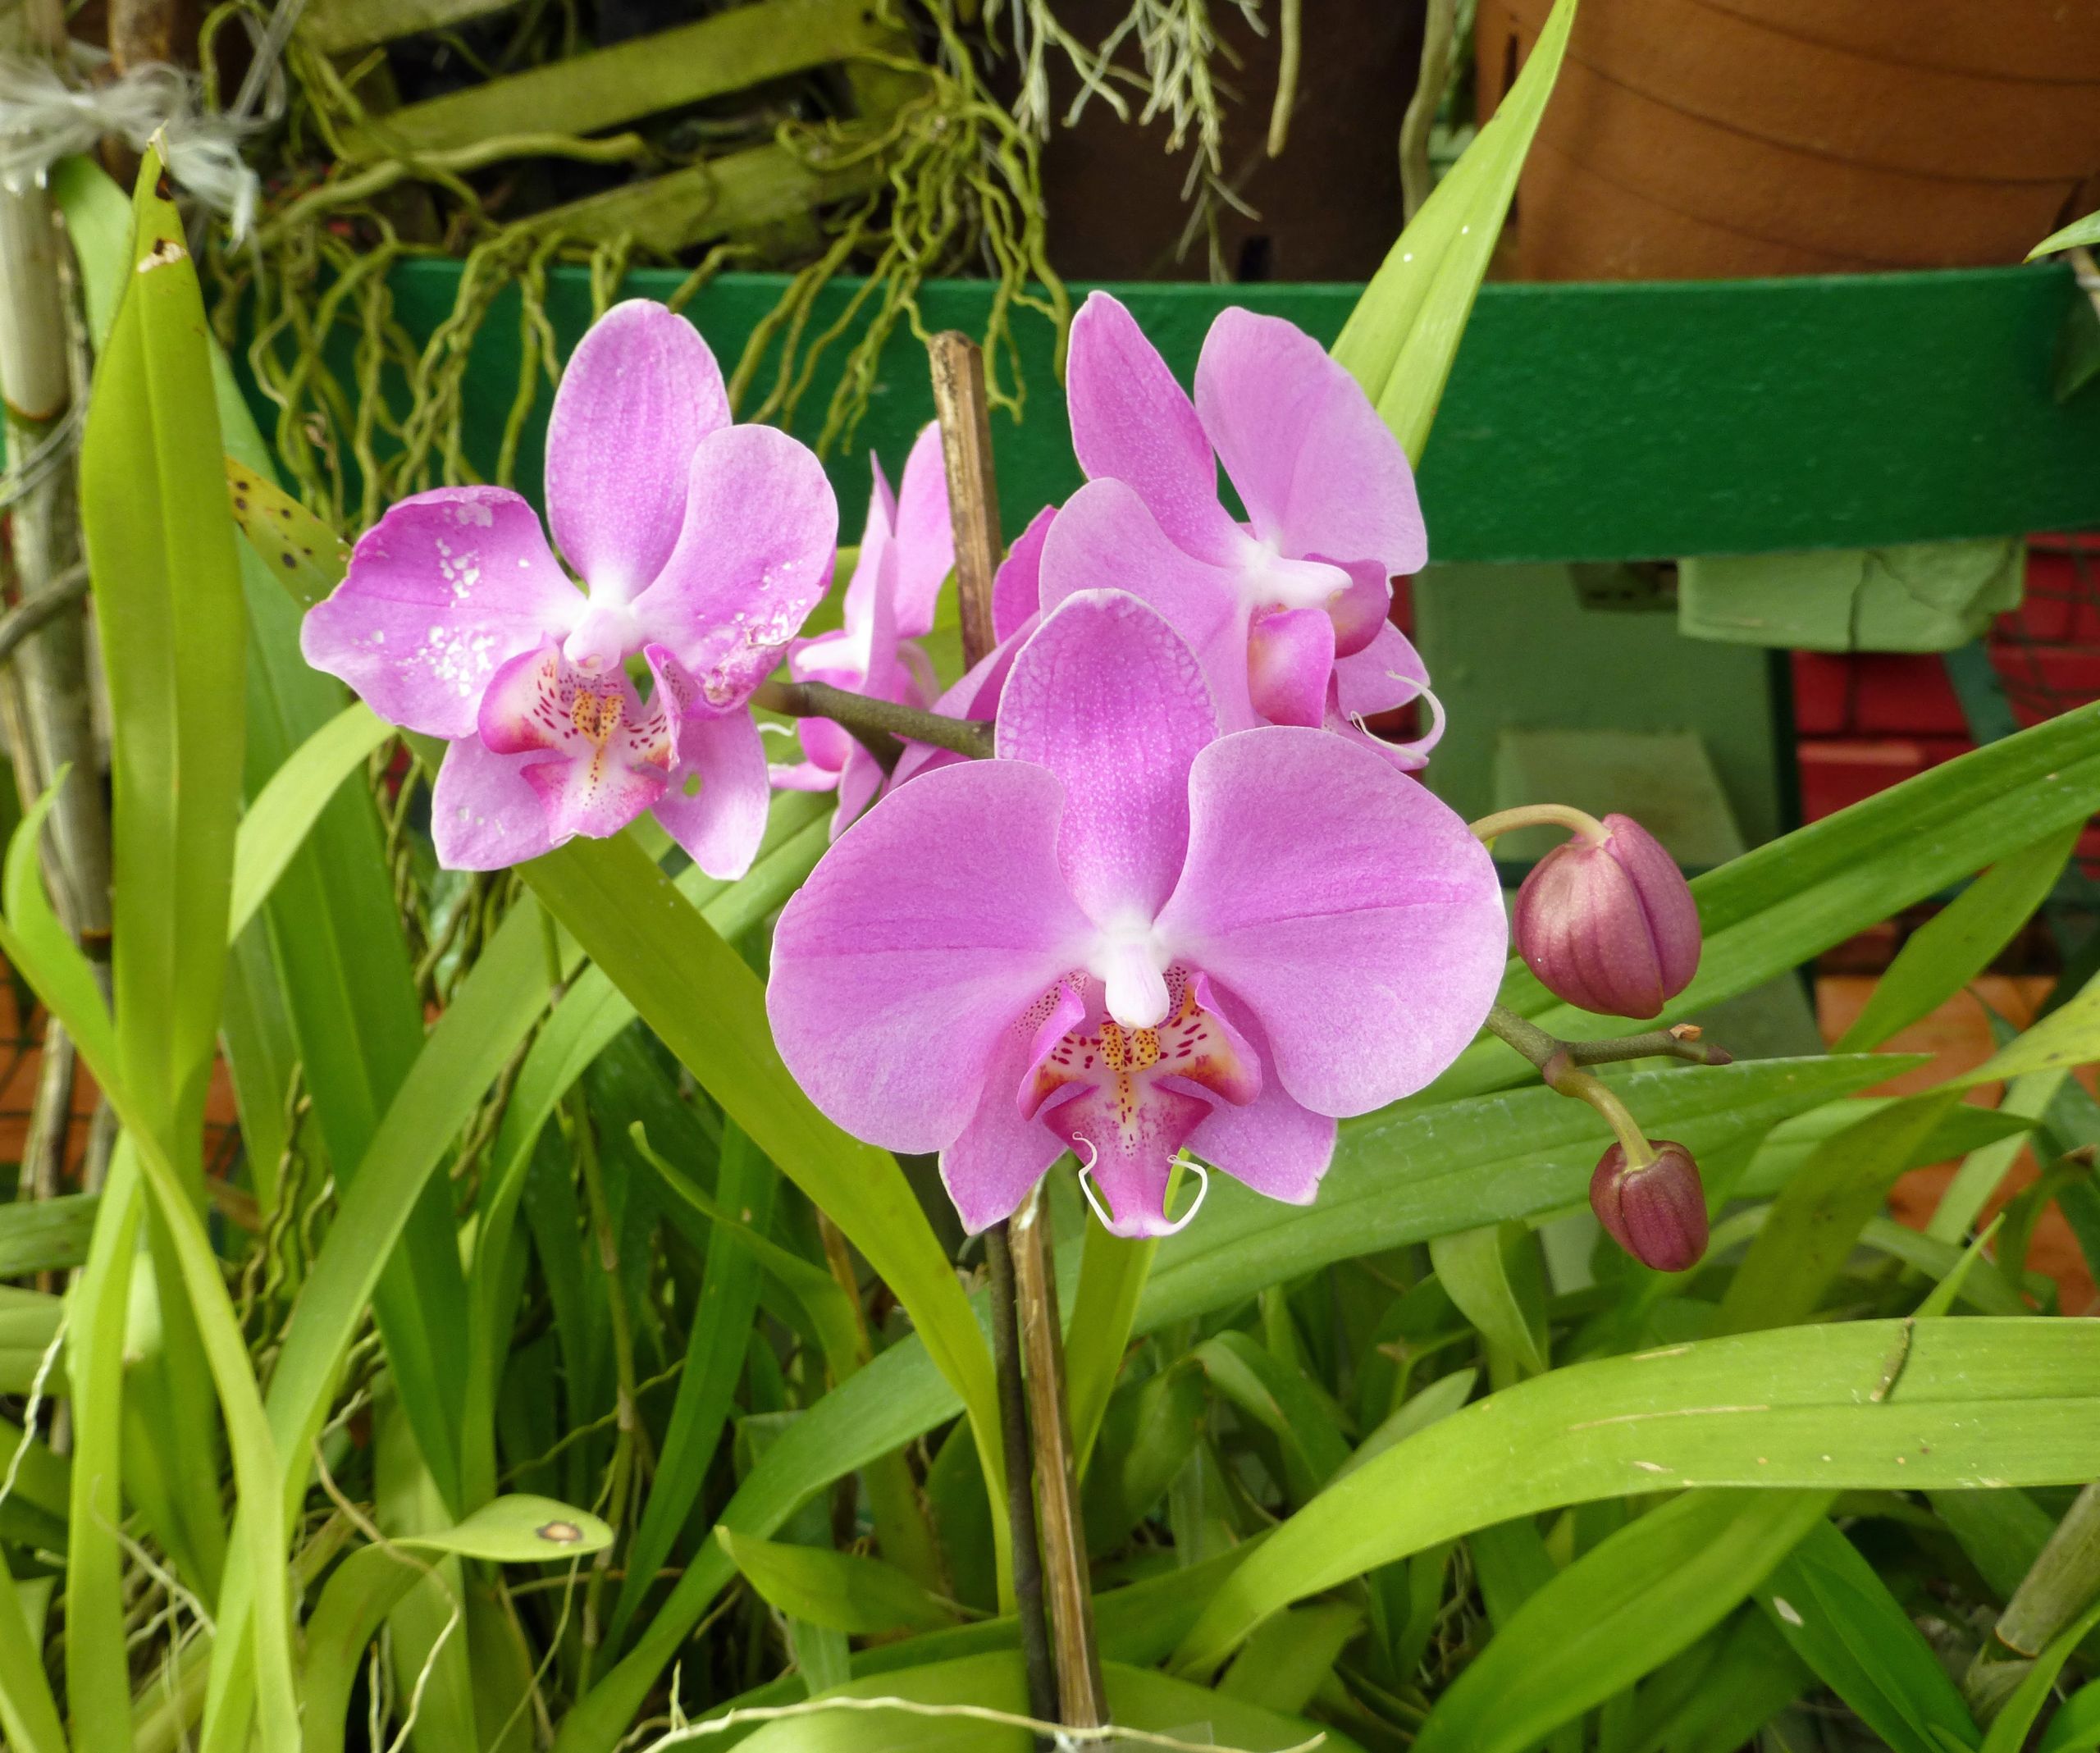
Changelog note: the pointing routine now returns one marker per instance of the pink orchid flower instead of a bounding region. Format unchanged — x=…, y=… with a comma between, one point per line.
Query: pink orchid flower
x=906, y=549
x=1287, y=610
x=702, y=547
x=1130, y=937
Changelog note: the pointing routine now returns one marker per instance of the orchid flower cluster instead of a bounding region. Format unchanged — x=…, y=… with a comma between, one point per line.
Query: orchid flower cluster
x=1192, y=910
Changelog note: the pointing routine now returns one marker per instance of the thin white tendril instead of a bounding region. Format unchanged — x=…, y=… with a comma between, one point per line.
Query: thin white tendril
x=1182, y=1160
x=1064, y=1737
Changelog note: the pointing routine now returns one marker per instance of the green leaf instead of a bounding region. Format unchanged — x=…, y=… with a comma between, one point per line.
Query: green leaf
x=714, y=1361
x=1840, y=1619
x=591, y=1015
x=1149, y=1431
x=1276, y=1396
x=285, y=810
x=97, y=1674
x=1956, y=945
x=1820, y=1213
x=1790, y=1144
x=45, y=1235
x=1112, y=1273
x=517, y=1530
x=1961, y=1403
x=2085, y=231
x=1783, y=903
x=362, y=1590
x=1414, y=1171
x=861, y=1597
x=1640, y=1596
x=2010, y=1728
x=823, y=1298
x=28, y=1712
x=2075, y=1727
x=1137, y=1699
x=174, y=637
x=709, y=1008
x=1400, y=341
x=1986, y=1165
x=1287, y=1660
x=1484, y=1271
x=63, y=979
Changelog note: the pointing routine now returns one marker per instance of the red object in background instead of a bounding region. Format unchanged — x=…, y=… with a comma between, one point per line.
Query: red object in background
x=1868, y=720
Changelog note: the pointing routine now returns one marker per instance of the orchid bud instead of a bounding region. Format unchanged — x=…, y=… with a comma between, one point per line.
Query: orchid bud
x=1609, y=924
x=1656, y=1213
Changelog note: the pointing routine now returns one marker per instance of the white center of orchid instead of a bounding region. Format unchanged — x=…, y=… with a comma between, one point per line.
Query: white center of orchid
x=1129, y=961
x=1270, y=580
x=605, y=632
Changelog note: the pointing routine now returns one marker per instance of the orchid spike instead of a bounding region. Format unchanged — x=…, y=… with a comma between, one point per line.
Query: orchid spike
x=1127, y=936
x=1288, y=610
x=906, y=549
x=702, y=546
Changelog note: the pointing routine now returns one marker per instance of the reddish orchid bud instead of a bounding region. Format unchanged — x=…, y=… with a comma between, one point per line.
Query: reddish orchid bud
x=1609, y=925
x=1658, y=1212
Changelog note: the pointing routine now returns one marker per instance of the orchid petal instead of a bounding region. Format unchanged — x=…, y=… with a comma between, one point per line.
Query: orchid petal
x=1384, y=676
x=1362, y=610
x=801, y=776
x=1128, y=1144
x=1318, y=471
x=1001, y=1154
x=1290, y=659
x=925, y=535
x=1017, y=586
x=753, y=557
x=936, y=919
x=484, y=814
x=1132, y=422
x=1273, y=1143
x=641, y=390
x=1105, y=537
x=859, y=784
x=443, y=590
x=827, y=743
x=720, y=819
x=1347, y=908
x=1107, y=698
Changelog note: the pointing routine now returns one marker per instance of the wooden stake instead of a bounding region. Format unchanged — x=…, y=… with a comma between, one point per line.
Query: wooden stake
x=973, y=494
x=958, y=370
x=1081, y=1701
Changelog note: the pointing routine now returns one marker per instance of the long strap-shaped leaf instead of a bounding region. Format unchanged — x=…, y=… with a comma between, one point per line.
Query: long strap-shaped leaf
x=696, y=993
x=1400, y=341
x=1874, y=1405
x=32, y=940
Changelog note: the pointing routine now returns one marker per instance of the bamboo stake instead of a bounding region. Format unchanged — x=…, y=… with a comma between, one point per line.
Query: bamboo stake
x=1082, y=1702
x=53, y=726
x=958, y=371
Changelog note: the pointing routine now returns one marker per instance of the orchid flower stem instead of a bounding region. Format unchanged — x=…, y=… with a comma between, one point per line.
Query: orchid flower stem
x=1560, y=1064
x=880, y=725
x=1491, y=828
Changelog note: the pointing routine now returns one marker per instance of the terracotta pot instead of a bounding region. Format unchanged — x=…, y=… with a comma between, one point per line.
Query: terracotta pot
x=1699, y=139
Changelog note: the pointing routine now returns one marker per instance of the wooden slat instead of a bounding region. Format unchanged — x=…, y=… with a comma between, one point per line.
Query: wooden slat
x=608, y=87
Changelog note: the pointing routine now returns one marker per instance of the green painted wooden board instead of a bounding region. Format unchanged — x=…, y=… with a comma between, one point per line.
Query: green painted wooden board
x=1581, y=422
